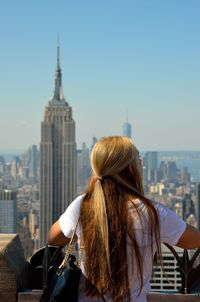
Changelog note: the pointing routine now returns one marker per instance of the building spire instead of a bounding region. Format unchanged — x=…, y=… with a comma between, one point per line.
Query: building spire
x=126, y=115
x=58, y=92
x=127, y=128
x=58, y=51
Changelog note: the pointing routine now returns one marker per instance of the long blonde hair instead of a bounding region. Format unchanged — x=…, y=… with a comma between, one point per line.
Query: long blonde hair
x=105, y=218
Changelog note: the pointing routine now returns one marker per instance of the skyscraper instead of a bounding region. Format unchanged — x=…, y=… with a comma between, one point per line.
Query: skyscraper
x=198, y=205
x=83, y=168
x=33, y=161
x=187, y=206
x=150, y=163
x=57, y=158
x=8, y=211
x=127, y=129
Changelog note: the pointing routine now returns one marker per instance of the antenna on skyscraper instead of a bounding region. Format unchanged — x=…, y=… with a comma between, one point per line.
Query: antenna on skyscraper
x=127, y=115
x=58, y=50
x=58, y=39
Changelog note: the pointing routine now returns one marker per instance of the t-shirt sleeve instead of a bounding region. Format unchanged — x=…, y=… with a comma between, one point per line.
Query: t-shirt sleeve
x=171, y=225
x=69, y=218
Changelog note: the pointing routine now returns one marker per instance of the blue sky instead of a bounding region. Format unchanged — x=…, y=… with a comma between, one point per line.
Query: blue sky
x=140, y=56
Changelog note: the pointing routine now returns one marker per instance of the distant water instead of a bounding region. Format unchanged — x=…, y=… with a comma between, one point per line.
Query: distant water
x=193, y=168
x=10, y=154
x=189, y=159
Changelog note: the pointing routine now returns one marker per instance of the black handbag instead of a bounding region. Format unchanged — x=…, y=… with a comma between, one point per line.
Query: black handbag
x=63, y=281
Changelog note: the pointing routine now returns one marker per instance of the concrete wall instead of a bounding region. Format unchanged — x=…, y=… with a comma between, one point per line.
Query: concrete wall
x=35, y=297
x=12, y=267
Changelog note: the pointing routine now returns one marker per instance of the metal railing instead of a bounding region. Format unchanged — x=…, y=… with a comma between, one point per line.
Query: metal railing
x=188, y=269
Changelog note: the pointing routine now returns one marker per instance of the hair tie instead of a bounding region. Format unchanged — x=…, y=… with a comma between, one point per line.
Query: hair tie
x=98, y=177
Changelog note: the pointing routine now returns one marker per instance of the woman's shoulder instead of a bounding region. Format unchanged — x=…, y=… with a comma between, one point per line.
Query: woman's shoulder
x=162, y=209
x=70, y=217
x=143, y=207
x=73, y=210
x=77, y=201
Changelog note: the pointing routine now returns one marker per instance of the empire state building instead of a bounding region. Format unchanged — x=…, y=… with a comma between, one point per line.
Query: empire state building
x=57, y=158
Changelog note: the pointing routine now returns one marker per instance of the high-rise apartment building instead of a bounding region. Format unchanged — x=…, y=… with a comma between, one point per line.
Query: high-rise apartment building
x=8, y=212
x=57, y=158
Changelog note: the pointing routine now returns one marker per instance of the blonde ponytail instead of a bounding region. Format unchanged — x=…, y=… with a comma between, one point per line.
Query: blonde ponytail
x=102, y=232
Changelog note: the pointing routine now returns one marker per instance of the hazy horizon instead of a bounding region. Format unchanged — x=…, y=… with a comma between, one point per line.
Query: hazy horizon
x=20, y=151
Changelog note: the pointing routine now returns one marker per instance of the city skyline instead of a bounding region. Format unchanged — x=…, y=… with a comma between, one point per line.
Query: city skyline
x=116, y=56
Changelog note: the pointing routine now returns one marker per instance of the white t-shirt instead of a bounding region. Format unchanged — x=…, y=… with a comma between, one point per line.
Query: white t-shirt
x=171, y=229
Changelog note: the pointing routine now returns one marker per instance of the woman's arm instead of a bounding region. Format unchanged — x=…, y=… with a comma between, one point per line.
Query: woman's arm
x=56, y=236
x=190, y=238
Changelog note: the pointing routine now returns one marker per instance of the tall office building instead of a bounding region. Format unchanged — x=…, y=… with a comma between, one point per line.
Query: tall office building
x=8, y=212
x=168, y=170
x=198, y=205
x=33, y=155
x=83, y=168
x=14, y=167
x=187, y=207
x=57, y=158
x=150, y=163
x=127, y=129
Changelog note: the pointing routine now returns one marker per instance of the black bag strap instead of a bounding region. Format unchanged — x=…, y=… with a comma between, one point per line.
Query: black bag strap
x=46, y=265
x=48, y=262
